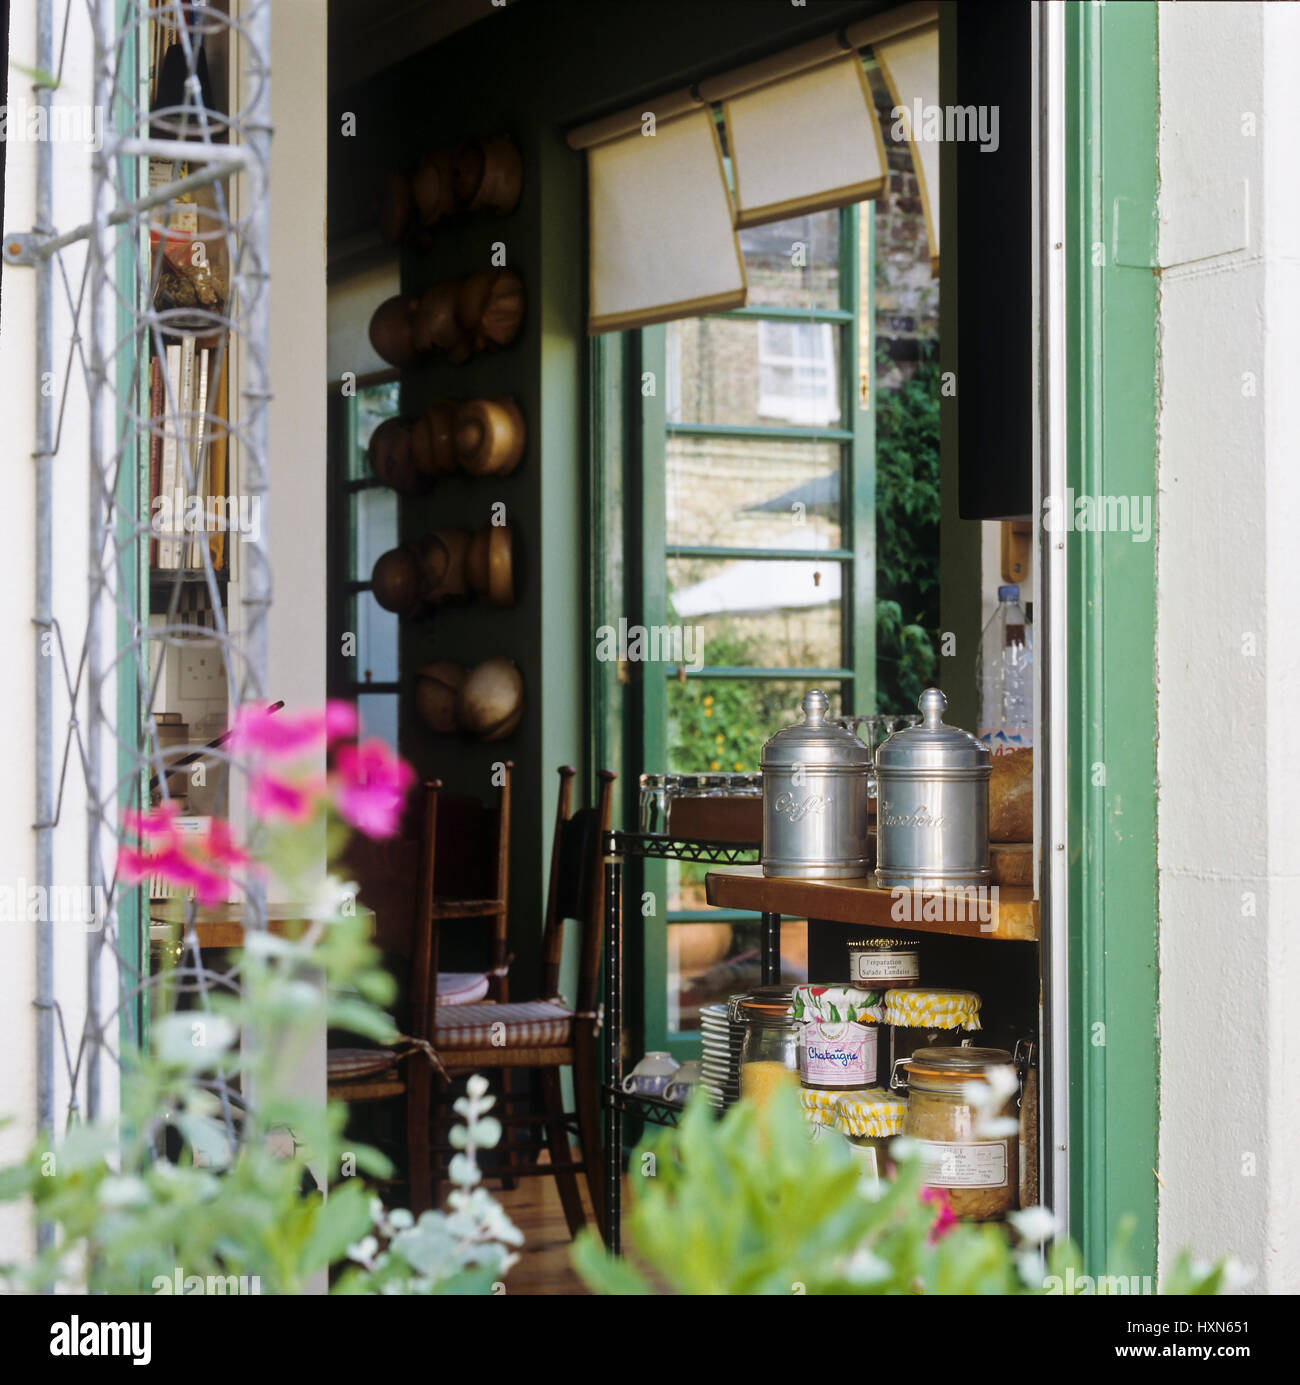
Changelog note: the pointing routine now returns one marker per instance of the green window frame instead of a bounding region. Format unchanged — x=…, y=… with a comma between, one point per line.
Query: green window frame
x=350, y=483
x=641, y=743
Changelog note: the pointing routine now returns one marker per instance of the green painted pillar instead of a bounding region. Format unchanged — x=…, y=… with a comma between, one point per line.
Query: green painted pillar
x=1111, y=301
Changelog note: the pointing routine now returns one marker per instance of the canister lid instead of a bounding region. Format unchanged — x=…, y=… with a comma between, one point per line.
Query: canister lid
x=819, y=1104
x=815, y=741
x=836, y=1004
x=764, y=1005
x=932, y=744
x=947, y=1069
x=871, y=1112
x=932, y=1009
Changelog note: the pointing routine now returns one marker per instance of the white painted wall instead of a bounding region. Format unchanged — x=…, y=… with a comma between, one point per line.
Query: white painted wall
x=71, y=191
x=297, y=504
x=1228, y=593
x=17, y=690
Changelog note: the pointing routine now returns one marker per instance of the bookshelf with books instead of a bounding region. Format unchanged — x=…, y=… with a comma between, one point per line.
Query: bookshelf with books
x=189, y=477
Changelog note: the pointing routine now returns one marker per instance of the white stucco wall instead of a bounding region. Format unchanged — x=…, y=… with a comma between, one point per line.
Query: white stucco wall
x=71, y=195
x=17, y=690
x=1228, y=597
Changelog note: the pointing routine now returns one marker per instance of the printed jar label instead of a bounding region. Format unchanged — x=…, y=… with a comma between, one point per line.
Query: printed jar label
x=842, y=1056
x=876, y=966
x=977, y=1164
x=866, y=1158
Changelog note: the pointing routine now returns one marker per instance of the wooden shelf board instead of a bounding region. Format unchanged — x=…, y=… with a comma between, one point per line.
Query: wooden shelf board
x=1013, y=914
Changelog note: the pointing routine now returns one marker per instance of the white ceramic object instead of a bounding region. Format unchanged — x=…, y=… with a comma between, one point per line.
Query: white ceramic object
x=684, y=1081
x=651, y=1075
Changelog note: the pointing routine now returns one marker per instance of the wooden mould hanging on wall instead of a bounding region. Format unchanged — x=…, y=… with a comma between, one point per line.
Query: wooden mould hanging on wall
x=481, y=437
x=476, y=176
x=446, y=565
x=454, y=318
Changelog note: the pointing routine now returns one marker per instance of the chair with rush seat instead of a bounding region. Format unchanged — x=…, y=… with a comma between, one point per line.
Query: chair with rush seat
x=458, y=844
x=548, y=1035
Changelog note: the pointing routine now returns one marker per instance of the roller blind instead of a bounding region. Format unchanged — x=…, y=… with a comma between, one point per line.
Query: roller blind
x=805, y=143
x=910, y=65
x=662, y=235
x=803, y=136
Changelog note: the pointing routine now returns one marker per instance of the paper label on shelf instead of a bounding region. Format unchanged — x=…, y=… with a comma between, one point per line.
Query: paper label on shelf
x=973, y=1164
x=870, y=965
x=839, y=1055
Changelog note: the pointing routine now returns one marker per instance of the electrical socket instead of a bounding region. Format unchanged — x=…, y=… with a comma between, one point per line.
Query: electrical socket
x=202, y=671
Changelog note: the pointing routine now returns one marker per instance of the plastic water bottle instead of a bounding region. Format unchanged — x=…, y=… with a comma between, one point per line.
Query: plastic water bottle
x=1005, y=670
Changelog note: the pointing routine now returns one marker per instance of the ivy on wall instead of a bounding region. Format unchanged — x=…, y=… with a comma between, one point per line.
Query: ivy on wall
x=907, y=538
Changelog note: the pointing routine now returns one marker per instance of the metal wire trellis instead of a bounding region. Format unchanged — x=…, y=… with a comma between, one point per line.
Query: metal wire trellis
x=100, y=662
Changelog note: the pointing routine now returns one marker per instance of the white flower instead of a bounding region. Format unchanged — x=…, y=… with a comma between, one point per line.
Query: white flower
x=864, y=1267
x=1034, y=1225
x=123, y=1192
x=364, y=1251
x=1236, y=1275
x=904, y=1148
x=996, y=1127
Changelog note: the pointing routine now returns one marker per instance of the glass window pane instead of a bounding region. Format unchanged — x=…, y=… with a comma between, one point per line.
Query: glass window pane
x=794, y=263
x=376, y=629
x=709, y=962
x=719, y=725
x=374, y=528
x=750, y=493
x=375, y=403
x=775, y=374
x=378, y=716
x=757, y=612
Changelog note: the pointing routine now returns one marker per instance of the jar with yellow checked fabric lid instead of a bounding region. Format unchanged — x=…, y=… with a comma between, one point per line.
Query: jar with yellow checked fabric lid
x=866, y=1120
x=869, y=1120
x=921, y=1018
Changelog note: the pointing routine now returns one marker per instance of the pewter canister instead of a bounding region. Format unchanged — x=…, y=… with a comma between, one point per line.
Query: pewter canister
x=932, y=804
x=815, y=798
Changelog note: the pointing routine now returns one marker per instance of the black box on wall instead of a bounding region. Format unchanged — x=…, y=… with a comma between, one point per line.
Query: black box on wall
x=994, y=248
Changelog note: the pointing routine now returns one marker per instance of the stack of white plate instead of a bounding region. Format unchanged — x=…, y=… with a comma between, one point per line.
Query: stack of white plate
x=720, y=1072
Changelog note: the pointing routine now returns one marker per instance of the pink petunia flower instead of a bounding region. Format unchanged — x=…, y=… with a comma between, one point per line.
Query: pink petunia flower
x=946, y=1219
x=287, y=800
x=198, y=861
x=288, y=735
x=370, y=787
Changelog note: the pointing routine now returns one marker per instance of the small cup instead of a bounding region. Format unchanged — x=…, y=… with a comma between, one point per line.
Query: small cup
x=651, y=1075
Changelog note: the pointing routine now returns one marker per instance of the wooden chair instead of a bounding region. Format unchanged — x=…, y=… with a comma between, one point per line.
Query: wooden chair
x=547, y=1035
x=449, y=840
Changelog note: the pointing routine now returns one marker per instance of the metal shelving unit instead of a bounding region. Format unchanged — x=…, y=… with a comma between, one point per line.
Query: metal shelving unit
x=619, y=846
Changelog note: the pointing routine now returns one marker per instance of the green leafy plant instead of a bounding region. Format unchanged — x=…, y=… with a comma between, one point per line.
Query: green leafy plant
x=749, y=1204
x=907, y=538
x=464, y=1250
x=720, y=725
x=216, y=1168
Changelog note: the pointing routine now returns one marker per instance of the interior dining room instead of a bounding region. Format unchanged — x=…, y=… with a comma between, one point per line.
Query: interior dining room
x=614, y=654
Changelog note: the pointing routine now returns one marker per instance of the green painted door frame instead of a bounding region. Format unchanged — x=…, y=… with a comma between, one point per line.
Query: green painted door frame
x=1111, y=96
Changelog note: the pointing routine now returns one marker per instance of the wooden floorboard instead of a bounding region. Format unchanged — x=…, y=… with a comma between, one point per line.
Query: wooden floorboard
x=533, y=1204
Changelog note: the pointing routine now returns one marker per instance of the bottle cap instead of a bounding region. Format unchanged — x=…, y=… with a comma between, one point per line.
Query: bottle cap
x=1009, y=593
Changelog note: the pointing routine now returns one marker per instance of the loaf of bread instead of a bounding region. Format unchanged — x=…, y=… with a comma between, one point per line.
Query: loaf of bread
x=1011, y=797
